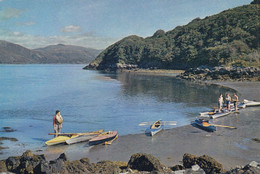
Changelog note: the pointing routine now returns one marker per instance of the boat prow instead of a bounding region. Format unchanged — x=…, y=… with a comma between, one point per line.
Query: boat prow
x=58, y=140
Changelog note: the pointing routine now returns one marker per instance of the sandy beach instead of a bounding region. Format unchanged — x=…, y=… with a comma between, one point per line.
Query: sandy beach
x=231, y=147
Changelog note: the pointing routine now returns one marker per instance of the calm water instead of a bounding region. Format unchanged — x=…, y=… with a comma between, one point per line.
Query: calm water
x=90, y=100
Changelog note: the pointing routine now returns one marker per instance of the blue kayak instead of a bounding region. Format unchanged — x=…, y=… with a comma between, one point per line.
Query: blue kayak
x=205, y=125
x=155, y=128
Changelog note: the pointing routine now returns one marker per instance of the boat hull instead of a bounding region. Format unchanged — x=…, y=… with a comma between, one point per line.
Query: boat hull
x=217, y=115
x=79, y=139
x=152, y=130
x=106, y=136
x=207, y=126
x=57, y=140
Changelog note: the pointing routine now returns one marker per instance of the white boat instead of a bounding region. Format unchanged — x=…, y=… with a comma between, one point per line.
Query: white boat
x=249, y=103
x=217, y=115
x=80, y=138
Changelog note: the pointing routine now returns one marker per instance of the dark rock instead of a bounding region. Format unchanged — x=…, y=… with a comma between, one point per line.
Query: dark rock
x=74, y=167
x=12, y=163
x=63, y=157
x=189, y=160
x=251, y=168
x=208, y=164
x=8, y=129
x=8, y=138
x=106, y=167
x=177, y=167
x=145, y=162
x=256, y=140
x=30, y=162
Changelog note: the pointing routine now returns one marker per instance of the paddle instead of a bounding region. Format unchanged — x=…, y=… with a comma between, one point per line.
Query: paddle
x=163, y=122
x=86, y=133
x=217, y=125
x=111, y=141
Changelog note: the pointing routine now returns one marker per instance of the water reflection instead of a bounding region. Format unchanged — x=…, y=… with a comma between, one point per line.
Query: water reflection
x=170, y=89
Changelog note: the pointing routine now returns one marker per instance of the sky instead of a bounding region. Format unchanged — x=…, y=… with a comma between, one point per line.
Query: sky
x=98, y=23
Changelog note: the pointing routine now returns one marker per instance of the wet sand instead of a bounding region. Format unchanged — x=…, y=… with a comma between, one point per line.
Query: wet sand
x=231, y=147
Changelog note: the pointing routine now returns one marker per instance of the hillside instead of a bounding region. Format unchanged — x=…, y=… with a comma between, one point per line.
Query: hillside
x=228, y=38
x=15, y=54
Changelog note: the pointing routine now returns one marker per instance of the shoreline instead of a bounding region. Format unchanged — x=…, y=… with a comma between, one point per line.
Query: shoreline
x=234, y=147
x=169, y=151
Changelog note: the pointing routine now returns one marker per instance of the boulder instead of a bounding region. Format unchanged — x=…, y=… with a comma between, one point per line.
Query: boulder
x=208, y=164
x=29, y=162
x=251, y=168
x=145, y=162
x=106, y=167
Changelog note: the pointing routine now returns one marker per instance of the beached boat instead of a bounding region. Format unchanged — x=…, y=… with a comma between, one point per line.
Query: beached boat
x=80, y=138
x=101, y=138
x=71, y=138
x=205, y=125
x=248, y=103
x=59, y=140
x=155, y=128
x=221, y=114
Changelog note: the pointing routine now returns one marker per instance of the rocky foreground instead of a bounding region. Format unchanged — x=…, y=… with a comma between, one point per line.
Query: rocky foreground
x=222, y=74
x=138, y=163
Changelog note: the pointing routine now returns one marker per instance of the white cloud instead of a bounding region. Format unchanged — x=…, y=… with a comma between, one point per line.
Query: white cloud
x=70, y=29
x=9, y=13
x=33, y=41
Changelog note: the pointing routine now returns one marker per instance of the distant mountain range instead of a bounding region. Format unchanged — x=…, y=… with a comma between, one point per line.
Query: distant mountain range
x=231, y=37
x=11, y=53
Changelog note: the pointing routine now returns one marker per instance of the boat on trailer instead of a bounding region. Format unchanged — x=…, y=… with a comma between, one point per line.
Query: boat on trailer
x=205, y=125
x=156, y=127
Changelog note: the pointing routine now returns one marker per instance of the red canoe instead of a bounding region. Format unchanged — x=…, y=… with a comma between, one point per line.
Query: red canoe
x=101, y=138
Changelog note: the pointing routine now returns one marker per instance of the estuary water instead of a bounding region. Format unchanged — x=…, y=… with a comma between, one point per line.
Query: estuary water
x=91, y=100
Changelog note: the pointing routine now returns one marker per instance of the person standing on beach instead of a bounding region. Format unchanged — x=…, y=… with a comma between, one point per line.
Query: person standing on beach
x=228, y=100
x=57, y=122
x=235, y=100
x=220, y=103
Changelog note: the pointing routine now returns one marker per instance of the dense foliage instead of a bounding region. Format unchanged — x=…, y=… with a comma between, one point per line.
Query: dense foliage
x=230, y=37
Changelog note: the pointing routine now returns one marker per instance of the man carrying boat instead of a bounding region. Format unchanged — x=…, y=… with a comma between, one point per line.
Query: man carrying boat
x=57, y=123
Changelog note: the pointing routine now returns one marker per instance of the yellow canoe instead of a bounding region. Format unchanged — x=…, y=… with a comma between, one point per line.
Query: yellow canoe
x=59, y=140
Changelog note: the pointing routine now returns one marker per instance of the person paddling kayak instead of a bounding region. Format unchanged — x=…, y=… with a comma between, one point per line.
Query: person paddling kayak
x=57, y=123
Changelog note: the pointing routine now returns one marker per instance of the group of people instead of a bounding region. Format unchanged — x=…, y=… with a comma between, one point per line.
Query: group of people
x=228, y=102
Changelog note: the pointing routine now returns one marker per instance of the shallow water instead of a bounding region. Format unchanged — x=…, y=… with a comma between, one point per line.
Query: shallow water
x=91, y=100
